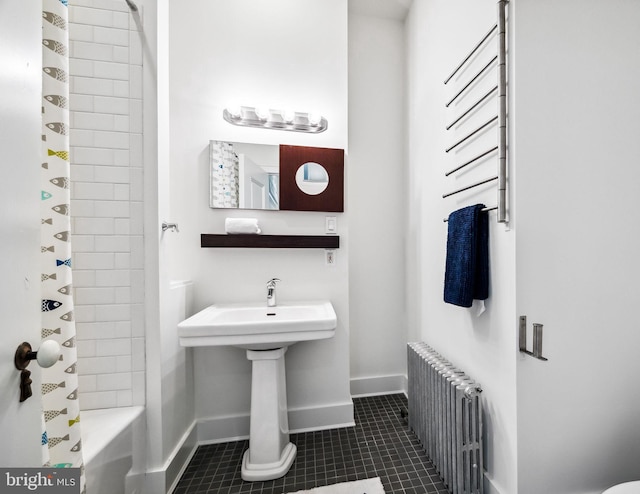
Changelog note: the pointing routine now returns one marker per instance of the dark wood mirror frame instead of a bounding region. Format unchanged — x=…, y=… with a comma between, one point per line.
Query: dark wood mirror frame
x=294, y=199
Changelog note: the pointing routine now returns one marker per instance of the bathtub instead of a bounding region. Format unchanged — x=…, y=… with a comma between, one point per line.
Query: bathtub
x=108, y=448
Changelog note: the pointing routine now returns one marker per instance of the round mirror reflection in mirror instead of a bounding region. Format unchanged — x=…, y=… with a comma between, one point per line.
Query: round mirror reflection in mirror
x=312, y=178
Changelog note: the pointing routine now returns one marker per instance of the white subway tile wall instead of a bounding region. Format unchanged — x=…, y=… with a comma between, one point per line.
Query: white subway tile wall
x=106, y=202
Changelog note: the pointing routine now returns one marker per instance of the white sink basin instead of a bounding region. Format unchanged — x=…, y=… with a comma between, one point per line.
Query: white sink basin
x=258, y=327
x=265, y=333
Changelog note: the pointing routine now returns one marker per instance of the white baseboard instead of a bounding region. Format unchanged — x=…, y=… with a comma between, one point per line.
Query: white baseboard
x=489, y=486
x=378, y=385
x=223, y=429
x=228, y=428
x=181, y=456
x=165, y=478
x=213, y=430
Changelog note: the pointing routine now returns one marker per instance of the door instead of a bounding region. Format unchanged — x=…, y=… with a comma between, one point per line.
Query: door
x=578, y=238
x=20, y=141
x=254, y=184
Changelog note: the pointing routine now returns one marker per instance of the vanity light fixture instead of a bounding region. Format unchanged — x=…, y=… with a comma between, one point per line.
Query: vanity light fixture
x=248, y=116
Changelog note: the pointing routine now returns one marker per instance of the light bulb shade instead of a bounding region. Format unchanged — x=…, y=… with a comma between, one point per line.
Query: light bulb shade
x=265, y=118
x=263, y=113
x=235, y=111
x=314, y=118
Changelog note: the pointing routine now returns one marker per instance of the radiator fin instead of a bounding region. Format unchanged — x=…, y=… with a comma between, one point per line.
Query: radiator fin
x=445, y=412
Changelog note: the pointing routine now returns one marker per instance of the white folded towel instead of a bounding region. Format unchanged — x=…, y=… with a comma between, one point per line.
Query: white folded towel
x=242, y=225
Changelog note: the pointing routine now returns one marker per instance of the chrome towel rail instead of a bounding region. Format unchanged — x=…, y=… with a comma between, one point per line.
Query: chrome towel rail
x=472, y=107
x=468, y=136
x=502, y=112
x=472, y=160
x=473, y=79
x=500, y=92
x=468, y=57
x=483, y=210
x=482, y=182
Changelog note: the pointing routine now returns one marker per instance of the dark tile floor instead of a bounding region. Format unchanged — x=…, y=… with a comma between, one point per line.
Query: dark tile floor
x=380, y=445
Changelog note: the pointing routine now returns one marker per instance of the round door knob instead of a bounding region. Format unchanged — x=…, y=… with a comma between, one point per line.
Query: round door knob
x=48, y=354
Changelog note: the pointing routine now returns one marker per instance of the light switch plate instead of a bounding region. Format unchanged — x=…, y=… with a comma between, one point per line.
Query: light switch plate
x=331, y=225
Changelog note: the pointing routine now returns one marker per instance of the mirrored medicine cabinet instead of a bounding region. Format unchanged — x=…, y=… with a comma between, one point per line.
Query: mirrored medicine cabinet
x=276, y=177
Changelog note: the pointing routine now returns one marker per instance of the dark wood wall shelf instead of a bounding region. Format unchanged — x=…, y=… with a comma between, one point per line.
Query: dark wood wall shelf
x=271, y=241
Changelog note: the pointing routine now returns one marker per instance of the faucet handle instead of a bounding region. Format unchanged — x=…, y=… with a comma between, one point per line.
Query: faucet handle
x=272, y=282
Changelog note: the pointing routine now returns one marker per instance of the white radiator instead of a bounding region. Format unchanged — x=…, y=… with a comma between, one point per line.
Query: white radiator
x=445, y=412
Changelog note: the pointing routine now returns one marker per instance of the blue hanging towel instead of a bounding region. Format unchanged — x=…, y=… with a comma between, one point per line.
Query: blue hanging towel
x=467, y=268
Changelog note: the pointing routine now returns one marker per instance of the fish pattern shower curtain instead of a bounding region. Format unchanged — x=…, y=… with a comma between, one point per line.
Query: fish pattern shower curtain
x=62, y=446
x=225, y=173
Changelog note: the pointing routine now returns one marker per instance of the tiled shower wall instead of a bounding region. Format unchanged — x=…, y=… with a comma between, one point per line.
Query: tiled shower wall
x=107, y=201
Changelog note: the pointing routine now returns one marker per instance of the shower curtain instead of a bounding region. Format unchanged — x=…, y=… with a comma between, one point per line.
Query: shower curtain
x=62, y=446
x=225, y=187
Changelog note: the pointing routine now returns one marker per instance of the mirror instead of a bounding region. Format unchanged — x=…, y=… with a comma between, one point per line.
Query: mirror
x=312, y=178
x=271, y=177
x=243, y=175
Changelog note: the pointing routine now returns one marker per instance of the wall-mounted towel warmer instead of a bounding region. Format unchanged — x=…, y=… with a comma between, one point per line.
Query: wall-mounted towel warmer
x=499, y=29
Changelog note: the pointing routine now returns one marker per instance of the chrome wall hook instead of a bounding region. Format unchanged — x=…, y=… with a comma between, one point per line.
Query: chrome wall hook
x=170, y=226
x=537, y=339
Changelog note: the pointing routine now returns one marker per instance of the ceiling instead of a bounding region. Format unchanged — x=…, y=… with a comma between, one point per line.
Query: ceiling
x=389, y=9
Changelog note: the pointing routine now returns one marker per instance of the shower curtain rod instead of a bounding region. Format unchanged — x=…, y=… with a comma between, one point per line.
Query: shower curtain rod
x=132, y=6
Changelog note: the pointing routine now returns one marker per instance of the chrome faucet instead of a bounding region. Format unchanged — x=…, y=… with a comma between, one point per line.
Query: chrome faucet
x=271, y=292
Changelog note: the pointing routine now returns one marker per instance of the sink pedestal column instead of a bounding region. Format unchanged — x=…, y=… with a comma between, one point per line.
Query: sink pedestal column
x=270, y=452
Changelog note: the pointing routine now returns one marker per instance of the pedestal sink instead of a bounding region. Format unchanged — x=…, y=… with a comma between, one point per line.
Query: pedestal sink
x=265, y=333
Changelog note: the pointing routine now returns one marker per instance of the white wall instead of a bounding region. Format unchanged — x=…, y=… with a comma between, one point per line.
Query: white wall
x=576, y=154
x=440, y=33
x=170, y=418
x=376, y=218
x=285, y=53
x=574, y=187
